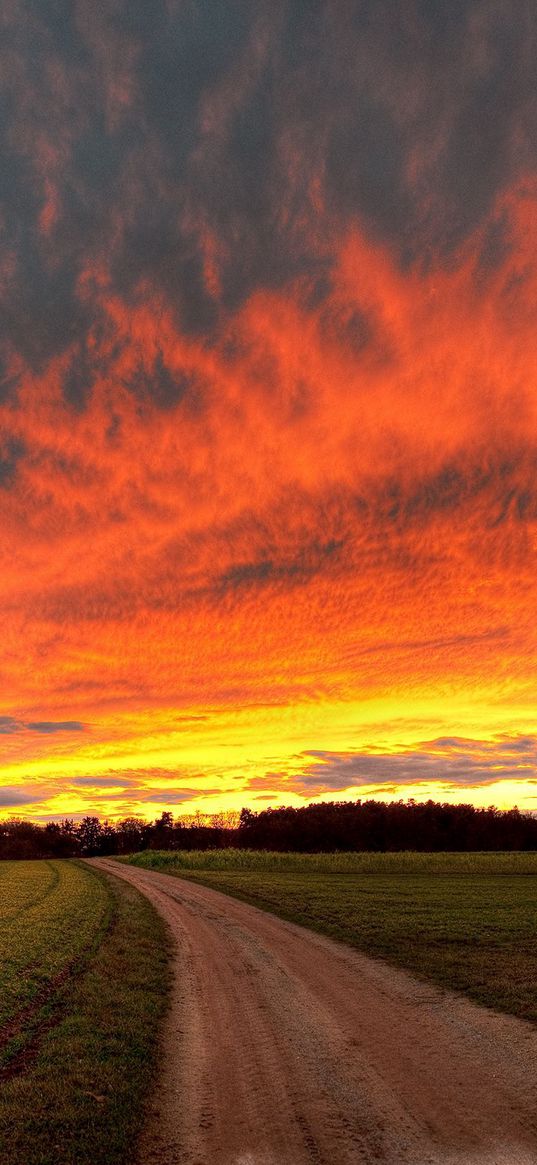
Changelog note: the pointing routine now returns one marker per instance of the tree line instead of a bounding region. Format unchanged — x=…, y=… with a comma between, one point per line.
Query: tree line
x=316, y=828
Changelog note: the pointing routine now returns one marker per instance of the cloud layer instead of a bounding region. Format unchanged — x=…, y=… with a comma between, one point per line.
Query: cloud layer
x=9, y=726
x=445, y=763
x=268, y=431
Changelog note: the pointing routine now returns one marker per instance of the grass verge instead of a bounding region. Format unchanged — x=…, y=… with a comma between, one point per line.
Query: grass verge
x=473, y=931
x=77, y=1096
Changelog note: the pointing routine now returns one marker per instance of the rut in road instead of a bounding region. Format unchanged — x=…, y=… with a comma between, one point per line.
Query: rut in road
x=285, y=1048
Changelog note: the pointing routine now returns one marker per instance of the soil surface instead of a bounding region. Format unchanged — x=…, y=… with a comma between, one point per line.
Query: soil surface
x=285, y=1048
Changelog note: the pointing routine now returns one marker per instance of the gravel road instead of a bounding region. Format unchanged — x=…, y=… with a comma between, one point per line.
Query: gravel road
x=285, y=1048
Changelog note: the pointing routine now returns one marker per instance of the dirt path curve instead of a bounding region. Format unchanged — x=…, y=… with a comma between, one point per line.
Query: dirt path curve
x=284, y=1048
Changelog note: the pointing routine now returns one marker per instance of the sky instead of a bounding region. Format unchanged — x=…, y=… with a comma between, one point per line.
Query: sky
x=268, y=404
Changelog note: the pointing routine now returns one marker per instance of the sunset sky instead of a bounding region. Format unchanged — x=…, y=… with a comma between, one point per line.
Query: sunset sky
x=268, y=404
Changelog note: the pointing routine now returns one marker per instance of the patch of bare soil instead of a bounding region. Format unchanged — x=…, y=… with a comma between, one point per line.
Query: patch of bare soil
x=285, y=1048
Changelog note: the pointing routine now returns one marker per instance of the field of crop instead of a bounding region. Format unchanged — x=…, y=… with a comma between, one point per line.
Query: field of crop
x=83, y=977
x=336, y=863
x=466, y=921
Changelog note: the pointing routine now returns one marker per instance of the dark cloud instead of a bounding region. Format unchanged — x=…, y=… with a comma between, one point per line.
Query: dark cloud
x=102, y=782
x=9, y=726
x=446, y=761
x=500, y=488
x=523, y=744
x=268, y=781
x=10, y=455
x=490, y=112
x=175, y=796
x=139, y=788
x=495, y=246
x=12, y=796
x=365, y=164
x=86, y=363
x=309, y=560
x=55, y=726
x=347, y=326
x=161, y=385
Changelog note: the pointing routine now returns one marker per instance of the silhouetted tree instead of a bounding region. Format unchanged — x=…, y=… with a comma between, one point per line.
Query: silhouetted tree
x=90, y=835
x=327, y=826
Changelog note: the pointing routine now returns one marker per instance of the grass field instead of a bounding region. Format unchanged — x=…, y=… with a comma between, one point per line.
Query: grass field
x=466, y=921
x=83, y=979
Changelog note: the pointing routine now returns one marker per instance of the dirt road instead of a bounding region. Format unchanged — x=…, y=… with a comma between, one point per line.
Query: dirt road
x=284, y=1048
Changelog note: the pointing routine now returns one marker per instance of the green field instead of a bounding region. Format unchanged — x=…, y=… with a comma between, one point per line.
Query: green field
x=83, y=979
x=466, y=921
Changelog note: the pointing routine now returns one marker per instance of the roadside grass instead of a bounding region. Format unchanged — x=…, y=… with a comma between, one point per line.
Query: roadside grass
x=465, y=921
x=87, y=964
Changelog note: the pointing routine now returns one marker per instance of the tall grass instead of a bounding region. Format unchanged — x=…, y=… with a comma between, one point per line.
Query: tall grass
x=263, y=861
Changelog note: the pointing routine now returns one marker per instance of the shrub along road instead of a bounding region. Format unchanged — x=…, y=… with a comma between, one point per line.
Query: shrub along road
x=286, y=1048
